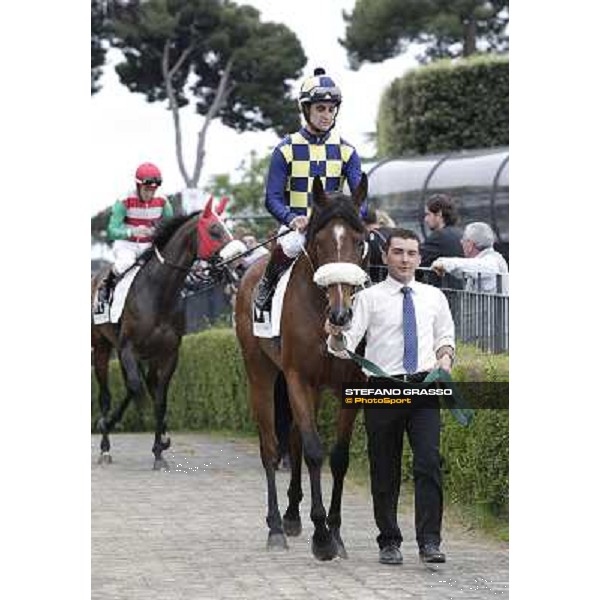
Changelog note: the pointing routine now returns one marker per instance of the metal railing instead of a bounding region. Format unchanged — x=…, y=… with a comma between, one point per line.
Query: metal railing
x=479, y=306
x=480, y=318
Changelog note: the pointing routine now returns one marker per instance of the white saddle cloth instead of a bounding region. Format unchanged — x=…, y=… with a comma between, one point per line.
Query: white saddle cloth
x=267, y=325
x=112, y=313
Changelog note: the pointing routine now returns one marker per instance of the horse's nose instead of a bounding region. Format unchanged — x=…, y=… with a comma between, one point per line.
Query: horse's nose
x=340, y=316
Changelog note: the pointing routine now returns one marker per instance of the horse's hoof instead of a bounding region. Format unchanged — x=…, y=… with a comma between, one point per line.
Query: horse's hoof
x=160, y=464
x=277, y=541
x=292, y=527
x=326, y=550
x=341, y=549
x=104, y=459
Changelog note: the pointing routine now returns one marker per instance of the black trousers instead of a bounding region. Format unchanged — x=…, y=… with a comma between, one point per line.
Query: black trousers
x=385, y=432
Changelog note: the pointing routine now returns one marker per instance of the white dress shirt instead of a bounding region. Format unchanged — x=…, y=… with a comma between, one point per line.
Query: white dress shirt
x=488, y=262
x=378, y=312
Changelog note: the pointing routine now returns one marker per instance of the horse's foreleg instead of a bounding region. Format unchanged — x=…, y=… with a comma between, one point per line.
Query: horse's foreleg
x=102, y=350
x=159, y=377
x=339, y=460
x=292, y=524
x=304, y=399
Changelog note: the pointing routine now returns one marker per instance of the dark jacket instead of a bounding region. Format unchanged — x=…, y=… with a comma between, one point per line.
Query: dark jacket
x=442, y=242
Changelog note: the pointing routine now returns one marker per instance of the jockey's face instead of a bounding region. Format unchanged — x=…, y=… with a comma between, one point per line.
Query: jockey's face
x=321, y=116
x=147, y=192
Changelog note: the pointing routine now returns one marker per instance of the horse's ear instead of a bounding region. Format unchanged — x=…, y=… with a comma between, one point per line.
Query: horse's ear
x=208, y=208
x=360, y=193
x=222, y=204
x=318, y=193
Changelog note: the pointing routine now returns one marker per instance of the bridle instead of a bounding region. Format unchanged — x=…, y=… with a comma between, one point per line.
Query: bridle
x=163, y=261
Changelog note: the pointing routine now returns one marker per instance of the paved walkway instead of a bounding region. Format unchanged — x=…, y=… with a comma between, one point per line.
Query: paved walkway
x=198, y=531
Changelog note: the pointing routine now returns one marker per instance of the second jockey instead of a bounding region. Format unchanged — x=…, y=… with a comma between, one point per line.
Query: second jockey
x=132, y=223
x=313, y=151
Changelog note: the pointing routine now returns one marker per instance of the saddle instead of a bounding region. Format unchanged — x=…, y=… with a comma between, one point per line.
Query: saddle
x=110, y=312
x=267, y=324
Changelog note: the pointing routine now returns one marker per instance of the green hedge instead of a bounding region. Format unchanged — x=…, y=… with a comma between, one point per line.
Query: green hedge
x=209, y=391
x=444, y=107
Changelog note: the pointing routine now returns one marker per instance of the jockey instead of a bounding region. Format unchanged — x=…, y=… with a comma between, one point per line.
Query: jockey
x=132, y=223
x=314, y=150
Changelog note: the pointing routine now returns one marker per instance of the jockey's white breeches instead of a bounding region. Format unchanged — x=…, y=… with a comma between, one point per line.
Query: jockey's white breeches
x=126, y=253
x=292, y=243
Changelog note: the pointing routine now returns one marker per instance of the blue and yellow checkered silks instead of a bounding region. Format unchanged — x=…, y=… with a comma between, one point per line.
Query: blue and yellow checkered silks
x=307, y=161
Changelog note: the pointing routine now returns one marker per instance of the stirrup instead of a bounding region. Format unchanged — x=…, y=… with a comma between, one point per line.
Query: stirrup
x=264, y=304
x=104, y=295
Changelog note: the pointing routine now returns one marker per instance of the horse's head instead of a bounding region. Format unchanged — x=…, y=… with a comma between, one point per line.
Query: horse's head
x=336, y=243
x=213, y=235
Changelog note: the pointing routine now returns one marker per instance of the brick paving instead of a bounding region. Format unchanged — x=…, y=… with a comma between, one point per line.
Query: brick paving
x=198, y=531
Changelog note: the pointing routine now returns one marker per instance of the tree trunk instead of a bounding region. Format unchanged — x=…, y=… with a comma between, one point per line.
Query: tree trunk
x=168, y=77
x=221, y=96
x=222, y=92
x=470, y=36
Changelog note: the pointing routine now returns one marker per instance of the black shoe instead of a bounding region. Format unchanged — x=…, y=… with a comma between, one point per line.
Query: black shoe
x=105, y=288
x=264, y=296
x=430, y=553
x=390, y=555
x=277, y=265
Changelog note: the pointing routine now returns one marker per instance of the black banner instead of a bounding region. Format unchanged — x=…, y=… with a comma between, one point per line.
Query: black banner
x=393, y=394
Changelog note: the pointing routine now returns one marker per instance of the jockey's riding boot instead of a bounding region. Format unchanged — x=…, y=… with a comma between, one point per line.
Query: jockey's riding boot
x=278, y=263
x=105, y=288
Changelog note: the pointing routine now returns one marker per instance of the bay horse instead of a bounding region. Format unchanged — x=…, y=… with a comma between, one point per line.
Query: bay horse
x=153, y=320
x=321, y=285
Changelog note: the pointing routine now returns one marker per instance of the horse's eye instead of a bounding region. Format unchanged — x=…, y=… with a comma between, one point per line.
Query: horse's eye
x=215, y=233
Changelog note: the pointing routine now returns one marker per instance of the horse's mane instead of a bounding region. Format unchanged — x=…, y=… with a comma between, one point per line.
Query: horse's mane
x=165, y=231
x=339, y=207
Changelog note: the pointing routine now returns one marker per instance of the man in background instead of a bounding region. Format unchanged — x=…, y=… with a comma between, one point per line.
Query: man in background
x=481, y=265
x=441, y=218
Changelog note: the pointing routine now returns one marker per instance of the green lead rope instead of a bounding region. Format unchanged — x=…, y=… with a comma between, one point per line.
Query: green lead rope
x=459, y=408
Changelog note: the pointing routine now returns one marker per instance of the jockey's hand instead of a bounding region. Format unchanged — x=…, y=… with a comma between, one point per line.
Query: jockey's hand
x=142, y=231
x=438, y=267
x=299, y=223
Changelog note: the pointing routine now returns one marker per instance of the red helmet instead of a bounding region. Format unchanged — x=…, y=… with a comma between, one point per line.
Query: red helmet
x=148, y=174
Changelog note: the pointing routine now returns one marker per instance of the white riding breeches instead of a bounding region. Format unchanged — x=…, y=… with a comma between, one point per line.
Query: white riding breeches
x=126, y=253
x=292, y=243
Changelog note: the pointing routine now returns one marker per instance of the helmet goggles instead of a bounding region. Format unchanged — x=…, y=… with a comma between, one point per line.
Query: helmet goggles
x=150, y=181
x=321, y=94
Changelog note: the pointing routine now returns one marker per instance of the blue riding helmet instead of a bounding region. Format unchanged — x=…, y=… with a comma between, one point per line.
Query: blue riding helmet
x=319, y=88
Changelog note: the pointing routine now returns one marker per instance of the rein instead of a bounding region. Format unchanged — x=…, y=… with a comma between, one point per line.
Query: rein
x=163, y=261
x=250, y=250
x=310, y=262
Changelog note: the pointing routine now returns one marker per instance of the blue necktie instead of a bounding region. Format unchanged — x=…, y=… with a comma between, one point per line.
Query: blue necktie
x=409, y=326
